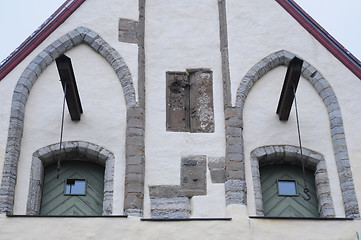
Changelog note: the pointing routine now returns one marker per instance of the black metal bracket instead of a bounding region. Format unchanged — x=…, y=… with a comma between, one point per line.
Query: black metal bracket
x=289, y=88
x=67, y=79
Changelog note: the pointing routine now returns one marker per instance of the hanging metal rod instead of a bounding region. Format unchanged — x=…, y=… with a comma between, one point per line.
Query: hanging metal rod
x=305, y=189
x=61, y=132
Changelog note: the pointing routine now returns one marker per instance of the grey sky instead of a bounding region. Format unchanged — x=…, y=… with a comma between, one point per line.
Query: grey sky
x=341, y=18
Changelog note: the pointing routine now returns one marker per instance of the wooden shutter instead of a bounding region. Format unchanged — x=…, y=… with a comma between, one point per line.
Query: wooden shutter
x=287, y=206
x=55, y=202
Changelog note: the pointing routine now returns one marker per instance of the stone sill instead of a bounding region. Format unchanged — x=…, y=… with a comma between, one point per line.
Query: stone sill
x=67, y=216
x=302, y=218
x=183, y=219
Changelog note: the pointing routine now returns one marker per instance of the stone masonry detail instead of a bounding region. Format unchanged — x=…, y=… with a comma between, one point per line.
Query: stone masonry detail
x=189, y=97
x=135, y=162
x=173, y=201
x=291, y=155
x=79, y=150
x=23, y=88
x=217, y=169
x=234, y=128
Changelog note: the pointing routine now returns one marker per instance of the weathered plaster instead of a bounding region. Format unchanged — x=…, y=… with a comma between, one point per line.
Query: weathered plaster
x=325, y=91
x=23, y=88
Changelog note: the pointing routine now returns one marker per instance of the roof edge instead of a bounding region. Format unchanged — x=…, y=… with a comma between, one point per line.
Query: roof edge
x=38, y=36
x=321, y=35
x=65, y=10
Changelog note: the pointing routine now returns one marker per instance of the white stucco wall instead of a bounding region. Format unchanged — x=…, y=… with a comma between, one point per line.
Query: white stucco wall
x=262, y=127
x=253, y=35
x=181, y=35
x=104, y=118
x=103, y=121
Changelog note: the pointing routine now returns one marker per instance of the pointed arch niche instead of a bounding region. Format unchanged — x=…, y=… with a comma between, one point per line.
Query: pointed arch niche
x=134, y=128
x=235, y=184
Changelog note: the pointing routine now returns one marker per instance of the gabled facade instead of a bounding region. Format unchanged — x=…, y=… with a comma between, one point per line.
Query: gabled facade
x=164, y=124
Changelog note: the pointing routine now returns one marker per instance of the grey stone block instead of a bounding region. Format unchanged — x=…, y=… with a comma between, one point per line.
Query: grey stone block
x=133, y=201
x=134, y=212
x=234, y=157
x=30, y=75
x=234, y=131
x=136, y=159
x=131, y=187
x=97, y=44
x=135, y=131
x=128, y=31
x=218, y=175
x=134, y=141
x=35, y=68
x=46, y=56
x=235, y=148
x=135, y=169
x=90, y=37
x=236, y=192
x=52, y=51
x=75, y=37
x=59, y=46
x=216, y=163
x=165, y=191
x=234, y=165
x=134, y=178
x=135, y=122
x=193, y=175
x=134, y=150
x=170, y=207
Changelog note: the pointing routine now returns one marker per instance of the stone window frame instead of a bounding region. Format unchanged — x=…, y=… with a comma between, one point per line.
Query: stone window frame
x=291, y=155
x=71, y=150
x=235, y=186
x=134, y=149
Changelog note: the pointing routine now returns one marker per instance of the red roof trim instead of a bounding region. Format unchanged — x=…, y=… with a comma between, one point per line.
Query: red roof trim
x=333, y=46
x=60, y=15
x=33, y=41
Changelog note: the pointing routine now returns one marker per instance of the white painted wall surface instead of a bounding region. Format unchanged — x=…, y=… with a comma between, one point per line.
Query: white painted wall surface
x=262, y=127
x=103, y=121
x=255, y=30
x=182, y=35
x=104, y=118
x=240, y=227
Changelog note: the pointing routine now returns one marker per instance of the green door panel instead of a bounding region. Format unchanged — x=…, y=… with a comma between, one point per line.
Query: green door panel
x=55, y=202
x=287, y=206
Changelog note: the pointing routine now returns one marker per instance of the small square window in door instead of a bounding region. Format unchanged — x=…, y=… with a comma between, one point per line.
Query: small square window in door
x=75, y=187
x=287, y=188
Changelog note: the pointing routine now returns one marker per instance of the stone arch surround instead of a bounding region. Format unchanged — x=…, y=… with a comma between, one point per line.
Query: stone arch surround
x=135, y=123
x=71, y=150
x=235, y=184
x=291, y=155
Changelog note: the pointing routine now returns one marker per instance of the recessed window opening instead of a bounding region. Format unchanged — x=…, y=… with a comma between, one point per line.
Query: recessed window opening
x=287, y=188
x=190, y=101
x=279, y=184
x=75, y=187
x=79, y=191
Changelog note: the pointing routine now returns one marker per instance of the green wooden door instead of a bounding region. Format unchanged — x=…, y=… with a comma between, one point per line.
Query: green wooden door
x=78, y=191
x=277, y=203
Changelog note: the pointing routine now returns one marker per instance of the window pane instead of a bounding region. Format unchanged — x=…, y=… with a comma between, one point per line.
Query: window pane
x=287, y=187
x=75, y=186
